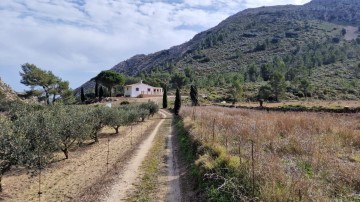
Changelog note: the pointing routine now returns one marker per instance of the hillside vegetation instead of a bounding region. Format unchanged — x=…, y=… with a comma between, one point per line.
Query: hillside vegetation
x=6, y=93
x=315, y=48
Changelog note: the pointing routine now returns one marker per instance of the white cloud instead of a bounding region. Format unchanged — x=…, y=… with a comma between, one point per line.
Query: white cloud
x=78, y=38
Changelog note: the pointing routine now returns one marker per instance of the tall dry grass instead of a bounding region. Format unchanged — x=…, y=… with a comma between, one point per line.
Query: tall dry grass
x=297, y=156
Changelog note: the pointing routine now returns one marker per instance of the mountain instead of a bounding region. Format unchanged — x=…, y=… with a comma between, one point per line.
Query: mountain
x=319, y=40
x=6, y=92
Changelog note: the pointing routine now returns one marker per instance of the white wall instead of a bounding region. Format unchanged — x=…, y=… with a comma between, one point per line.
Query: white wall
x=142, y=89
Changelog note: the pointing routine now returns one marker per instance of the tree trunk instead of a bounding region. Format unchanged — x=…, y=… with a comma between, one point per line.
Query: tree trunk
x=66, y=153
x=96, y=139
x=47, y=95
x=109, y=91
x=117, y=129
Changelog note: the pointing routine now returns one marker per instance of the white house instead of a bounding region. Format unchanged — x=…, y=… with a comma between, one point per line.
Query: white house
x=142, y=90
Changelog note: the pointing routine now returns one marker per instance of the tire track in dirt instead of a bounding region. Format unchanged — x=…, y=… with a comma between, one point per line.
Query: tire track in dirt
x=174, y=192
x=130, y=173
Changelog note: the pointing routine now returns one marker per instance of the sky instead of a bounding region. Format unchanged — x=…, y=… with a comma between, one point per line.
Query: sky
x=76, y=39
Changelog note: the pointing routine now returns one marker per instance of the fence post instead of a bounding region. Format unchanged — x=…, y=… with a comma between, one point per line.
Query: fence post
x=253, y=167
x=107, y=157
x=240, y=152
x=39, y=192
x=131, y=134
x=213, y=131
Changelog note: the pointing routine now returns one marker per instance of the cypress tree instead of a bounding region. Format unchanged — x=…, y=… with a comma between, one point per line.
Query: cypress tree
x=165, y=102
x=82, y=95
x=177, y=102
x=194, y=95
x=101, y=93
x=96, y=89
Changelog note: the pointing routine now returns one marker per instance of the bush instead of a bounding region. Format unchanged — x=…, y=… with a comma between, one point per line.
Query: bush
x=124, y=103
x=71, y=126
x=151, y=106
x=10, y=146
x=97, y=118
x=39, y=132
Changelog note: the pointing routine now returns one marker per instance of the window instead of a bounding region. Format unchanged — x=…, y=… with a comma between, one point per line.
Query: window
x=137, y=89
x=149, y=89
x=154, y=90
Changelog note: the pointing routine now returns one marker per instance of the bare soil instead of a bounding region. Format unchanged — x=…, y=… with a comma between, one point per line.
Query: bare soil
x=168, y=181
x=85, y=176
x=173, y=176
x=351, y=33
x=120, y=190
x=72, y=179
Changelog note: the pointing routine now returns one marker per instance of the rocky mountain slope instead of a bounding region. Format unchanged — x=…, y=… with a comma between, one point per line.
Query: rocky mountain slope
x=321, y=38
x=6, y=92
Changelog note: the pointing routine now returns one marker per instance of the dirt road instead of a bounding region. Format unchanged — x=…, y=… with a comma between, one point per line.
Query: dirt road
x=174, y=192
x=67, y=179
x=85, y=176
x=131, y=172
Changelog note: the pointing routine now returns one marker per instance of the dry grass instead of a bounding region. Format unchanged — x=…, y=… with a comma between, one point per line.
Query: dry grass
x=308, y=103
x=298, y=156
x=153, y=169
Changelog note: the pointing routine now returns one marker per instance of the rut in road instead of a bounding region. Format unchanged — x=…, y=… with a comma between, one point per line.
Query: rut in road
x=173, y=178
x=131, y=172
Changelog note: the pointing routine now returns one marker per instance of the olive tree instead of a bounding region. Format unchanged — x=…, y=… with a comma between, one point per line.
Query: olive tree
x=71, y=125
x=115, y=118
x=39, y=132
x=151, y=106
x=96, y=117
x=10, y=146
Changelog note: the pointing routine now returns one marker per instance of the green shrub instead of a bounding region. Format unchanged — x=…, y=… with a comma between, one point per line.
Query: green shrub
x=124, y=103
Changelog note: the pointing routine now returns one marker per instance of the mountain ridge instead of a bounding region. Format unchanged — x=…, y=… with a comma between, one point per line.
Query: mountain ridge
x=210, y=50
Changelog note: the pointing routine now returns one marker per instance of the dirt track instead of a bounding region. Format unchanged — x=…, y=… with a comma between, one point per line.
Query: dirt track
x=174, y=192
x=67, y=179
x=85, y=176
x=130, y=172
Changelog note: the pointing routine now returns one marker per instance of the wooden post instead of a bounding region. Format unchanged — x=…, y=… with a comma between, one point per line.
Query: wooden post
x=107, y=156
x=39, y=192
x=131, y=134
x=240, y=152
x=253, y=168
x=226, y=142
x=213, y=131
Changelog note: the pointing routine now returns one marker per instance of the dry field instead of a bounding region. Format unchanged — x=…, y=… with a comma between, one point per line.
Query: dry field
x=309, y=103
x=296, y=156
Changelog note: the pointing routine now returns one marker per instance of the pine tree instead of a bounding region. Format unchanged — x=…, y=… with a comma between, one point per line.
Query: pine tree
x=278, y=85
x=82, y=95
x=177, y=105
x=101, y=93
x=165, y=102
x=96, y=89
x=194, y=95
